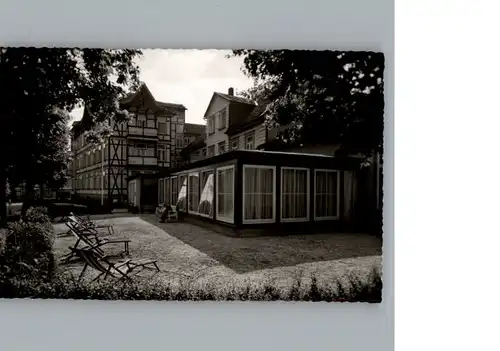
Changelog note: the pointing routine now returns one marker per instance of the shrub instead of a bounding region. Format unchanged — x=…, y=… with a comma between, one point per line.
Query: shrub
x=28, y=250
x=65, y=287
x=37, y=215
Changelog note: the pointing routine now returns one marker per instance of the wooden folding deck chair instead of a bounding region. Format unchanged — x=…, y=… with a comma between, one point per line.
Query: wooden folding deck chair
x=90, y=225
x=92, y=242
x=120, y=270
x=170, y=214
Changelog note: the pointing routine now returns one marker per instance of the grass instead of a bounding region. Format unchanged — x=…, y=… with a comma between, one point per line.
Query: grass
x=188, y=254
x=244, y=255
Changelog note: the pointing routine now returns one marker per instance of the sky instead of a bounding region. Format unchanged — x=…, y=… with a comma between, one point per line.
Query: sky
x=188, y=77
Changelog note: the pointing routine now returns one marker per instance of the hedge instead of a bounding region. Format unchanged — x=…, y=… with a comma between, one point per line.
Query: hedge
x=68, y=288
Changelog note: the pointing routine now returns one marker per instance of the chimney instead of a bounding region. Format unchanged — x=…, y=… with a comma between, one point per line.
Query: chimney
x=230, y=91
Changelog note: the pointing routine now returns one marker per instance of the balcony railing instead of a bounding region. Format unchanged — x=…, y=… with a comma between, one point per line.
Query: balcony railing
x=142, y=161
x=143, y=132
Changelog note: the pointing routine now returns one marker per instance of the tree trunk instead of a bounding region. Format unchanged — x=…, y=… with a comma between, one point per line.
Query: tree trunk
x=42, y=190
x=28, y=196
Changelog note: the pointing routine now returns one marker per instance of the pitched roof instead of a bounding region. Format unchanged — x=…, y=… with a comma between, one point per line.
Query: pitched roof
x=237, y=99
x=191, y=128
x=164, y=105
x=171, y=105
x=230, y=98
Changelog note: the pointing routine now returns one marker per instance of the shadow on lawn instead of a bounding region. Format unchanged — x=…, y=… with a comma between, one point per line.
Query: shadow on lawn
x=249, y=254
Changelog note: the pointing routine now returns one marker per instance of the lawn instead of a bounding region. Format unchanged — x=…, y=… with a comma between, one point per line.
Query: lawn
x=196, y=255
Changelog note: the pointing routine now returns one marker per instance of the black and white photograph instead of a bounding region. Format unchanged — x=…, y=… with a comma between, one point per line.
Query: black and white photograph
x=169, y=174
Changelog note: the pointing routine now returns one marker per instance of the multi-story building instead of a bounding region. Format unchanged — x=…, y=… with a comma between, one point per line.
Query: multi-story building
x=232, y=123
x=192, y=132
x=150, y=141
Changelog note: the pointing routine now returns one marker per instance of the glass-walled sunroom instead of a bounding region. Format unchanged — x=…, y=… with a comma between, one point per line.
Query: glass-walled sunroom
x=250, y=188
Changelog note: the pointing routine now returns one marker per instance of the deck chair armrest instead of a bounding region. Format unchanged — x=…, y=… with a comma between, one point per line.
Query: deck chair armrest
x=121, y=264
x=116, y=241
x=142, y=263
x=103, y=226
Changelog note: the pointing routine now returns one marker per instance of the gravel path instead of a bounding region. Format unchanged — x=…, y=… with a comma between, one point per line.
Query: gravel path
x=185, y=251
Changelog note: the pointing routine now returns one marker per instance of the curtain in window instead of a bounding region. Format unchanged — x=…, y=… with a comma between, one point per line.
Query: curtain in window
x=194, y=192
x=258, y=191
x=225, y=186
x=181, y=199
x=326, y=194
x=207, y=193
x=294, y=194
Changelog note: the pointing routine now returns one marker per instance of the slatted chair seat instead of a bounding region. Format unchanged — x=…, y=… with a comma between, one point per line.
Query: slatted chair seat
x=119, y=270
x=91, y=242
x=89, y=225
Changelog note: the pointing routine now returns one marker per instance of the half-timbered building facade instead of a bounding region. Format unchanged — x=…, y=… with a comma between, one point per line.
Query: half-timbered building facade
x=150, y=141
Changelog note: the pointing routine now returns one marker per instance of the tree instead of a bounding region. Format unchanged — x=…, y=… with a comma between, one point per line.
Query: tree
x=323, y=96
x=258, y=93
x=46, y=163
x=39, y=87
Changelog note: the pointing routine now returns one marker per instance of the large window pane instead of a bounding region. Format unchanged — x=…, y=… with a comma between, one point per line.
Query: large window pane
x=258, y=194
x=225, y=194
x=294, y=194
x=207, y=193
x=326, y=194
x=175, y=190
x=194, y=192
x=181, y=198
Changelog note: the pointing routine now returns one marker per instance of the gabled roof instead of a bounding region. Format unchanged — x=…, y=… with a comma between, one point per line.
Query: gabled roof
x=230, y=98
x=172, y=106
x=149, y=98
x=237, y=99
x=196, y=129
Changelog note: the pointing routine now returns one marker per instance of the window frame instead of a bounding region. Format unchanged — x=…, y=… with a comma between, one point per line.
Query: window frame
x=162, y=149
x=179, y=188
x=247, y=136
x=308, y=195
x=223, y=144
x=217, y=216
x=259, y=221
x=164, y=130
x=327, y=218
x=209, y=171
x=232, y=141
x=211, y=147
x=167, y=191
x=211, y=125
x=188, y=195
x=221, y=119
x=173, y=201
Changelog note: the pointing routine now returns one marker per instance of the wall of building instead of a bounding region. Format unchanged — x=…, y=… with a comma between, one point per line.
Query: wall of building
x=94, y=170
x=259, y=135
x=219, y=135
